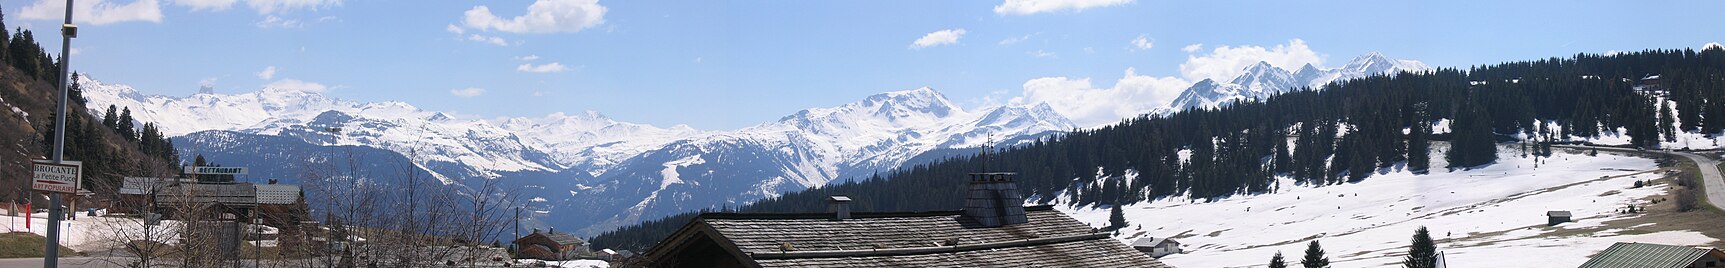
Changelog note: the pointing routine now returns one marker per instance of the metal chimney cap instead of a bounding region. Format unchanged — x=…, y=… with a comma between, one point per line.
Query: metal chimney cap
x=838, y=199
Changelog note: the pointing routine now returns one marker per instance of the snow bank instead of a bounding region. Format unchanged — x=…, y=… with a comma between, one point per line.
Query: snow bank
x=94, y=233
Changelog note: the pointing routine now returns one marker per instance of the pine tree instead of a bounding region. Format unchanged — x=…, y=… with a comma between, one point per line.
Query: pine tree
x=1315, y=256
x=1419, y=149
x=1284, y=161
x=111, y=119
x=1116, y=217
x=1666, y=123
x=1472, y=142
x=126, y=128
x=1277, y=261
x=1423, y=253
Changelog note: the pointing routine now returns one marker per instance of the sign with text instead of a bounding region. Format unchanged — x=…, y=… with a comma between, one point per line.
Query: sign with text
x=216, y=170
x=51, y=177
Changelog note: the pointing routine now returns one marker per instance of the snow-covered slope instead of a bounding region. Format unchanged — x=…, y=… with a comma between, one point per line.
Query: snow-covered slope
x=1488, y=217
x=592, y=169
x=1262, y=80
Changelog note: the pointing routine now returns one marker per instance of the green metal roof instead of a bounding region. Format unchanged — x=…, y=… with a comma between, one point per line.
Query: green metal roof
x=1644, y=255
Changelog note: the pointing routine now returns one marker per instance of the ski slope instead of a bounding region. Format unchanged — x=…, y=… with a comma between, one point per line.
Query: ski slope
x=1488, y=217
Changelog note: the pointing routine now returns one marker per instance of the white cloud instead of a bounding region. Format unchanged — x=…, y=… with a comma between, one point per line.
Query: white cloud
x=207, y=82
x=1041, y=54
x=542, y=68
x=1192, y=48
x=942, y=37
x=1143, y=43
x=543, y=16
x=272, y=21
x=1027, y=7
x=267, y=73
x=1712, y=45
x=206, y=5
x=1089, y=105
x=488, y=39
x=1225, y=62
x=1015, y=40
x=455, y=29
x=273, y=6
x=76, y=51
x=1612, y=52
x=527, y=58
x=467, y=92
x=95, y=12
x=537, y=93
x=296, y=85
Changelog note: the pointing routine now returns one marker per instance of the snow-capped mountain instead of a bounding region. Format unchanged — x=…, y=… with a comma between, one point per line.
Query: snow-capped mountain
x=586, y=171
x=810, y=148
x=1262, y=80
x=480, y=147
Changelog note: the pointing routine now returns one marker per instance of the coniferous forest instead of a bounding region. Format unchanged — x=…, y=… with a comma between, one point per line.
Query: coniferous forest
x=111, y=146
x=1341, y=134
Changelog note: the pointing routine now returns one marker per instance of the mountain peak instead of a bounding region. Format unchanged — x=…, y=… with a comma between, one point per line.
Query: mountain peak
x=1261, y=80
x=1307, y=69
x=921, y=93
x=1260, y=66
x=923, y=100
x=1375, y=63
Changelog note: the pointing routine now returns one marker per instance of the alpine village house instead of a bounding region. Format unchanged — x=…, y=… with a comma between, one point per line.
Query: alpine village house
x=993, y=230
x=551, y=245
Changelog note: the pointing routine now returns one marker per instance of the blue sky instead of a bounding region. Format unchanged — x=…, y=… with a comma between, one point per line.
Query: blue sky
x=730, y=64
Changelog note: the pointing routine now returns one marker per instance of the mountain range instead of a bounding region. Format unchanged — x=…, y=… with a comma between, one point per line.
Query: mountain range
x=586, y=170
x=593, y=173
x=1262, y=80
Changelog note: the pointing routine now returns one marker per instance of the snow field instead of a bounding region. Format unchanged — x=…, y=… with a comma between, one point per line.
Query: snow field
x=1488, y=217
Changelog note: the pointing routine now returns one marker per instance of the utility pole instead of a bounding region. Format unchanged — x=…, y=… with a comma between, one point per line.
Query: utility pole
x=67, y=32
x=517, y=230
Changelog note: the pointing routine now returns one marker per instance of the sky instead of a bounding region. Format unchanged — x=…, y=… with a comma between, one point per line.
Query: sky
x=720, y=65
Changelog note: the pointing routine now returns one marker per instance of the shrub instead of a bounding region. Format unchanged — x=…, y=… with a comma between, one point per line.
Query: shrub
x=1686, y=200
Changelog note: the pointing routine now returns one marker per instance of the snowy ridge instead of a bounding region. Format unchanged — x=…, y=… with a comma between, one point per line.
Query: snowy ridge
x=1262, y=80
x=810, y=148
x=556, y=141
x=596, y=172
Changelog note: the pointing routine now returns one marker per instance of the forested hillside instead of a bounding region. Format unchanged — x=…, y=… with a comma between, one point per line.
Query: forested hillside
x=111, y=148
x=1340, y=134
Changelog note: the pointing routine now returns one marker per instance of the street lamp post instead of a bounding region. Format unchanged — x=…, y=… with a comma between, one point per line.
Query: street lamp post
x=67, y=32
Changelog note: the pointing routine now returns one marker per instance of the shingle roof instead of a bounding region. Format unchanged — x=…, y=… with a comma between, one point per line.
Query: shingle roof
x=923, y=239
x=1151, y=241
x=1645, y=255
x=278, y=194
x=1103, y=252
x=565, y=239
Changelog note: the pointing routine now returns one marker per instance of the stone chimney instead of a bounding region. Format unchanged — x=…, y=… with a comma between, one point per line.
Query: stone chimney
x=839, y=206
x=993, y=200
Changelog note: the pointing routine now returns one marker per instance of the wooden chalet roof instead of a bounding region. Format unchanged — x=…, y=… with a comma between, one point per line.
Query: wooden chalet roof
x=918, y=239
x=1647, y=256
x=565, y=239
x=1152, y=241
